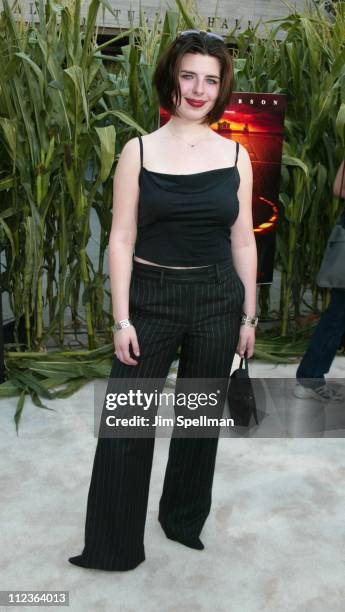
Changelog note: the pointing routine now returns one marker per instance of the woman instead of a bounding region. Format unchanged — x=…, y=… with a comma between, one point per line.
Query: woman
x=326, y=338
x=185, y=287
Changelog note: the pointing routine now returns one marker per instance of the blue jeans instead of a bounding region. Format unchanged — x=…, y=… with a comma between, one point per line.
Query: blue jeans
x=324, y=342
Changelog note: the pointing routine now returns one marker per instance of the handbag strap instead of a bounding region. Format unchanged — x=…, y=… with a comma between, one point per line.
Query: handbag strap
x=244, y=361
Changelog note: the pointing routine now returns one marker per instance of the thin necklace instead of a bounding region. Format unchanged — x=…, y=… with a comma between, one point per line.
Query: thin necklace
x=187, y=143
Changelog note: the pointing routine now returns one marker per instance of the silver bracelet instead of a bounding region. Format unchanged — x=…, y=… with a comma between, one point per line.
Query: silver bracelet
x=121, y=325
x=251, y=321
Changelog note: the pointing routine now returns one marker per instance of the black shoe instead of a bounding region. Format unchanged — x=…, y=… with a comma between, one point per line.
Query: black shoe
x=78, y=560
x=195, y=543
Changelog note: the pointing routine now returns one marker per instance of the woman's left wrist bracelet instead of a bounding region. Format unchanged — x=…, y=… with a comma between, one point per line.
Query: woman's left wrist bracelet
x=251, y=321
x=121, y=324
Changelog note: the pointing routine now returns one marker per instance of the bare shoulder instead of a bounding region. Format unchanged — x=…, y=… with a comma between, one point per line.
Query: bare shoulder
x=243, y=155
x=152, y=142
x=230, y=150
x=244, y=165
x=232, y=144
x=130, y=155
x=131, y=146
x=154, y=136
x=131, y=150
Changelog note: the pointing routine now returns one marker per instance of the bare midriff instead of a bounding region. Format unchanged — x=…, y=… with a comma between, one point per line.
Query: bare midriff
x=151, y=263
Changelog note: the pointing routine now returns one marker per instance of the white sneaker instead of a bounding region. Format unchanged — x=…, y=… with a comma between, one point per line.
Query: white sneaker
x=323, y=393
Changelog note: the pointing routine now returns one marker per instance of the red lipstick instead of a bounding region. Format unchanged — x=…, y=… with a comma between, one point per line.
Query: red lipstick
x=195, y=103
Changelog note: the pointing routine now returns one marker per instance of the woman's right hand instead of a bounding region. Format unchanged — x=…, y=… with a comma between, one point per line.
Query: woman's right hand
x=123, y=338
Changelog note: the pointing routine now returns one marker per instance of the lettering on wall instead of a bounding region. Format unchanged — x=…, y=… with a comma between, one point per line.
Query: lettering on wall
x=122, y=17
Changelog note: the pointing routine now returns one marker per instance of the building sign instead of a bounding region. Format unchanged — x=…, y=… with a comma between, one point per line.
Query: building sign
x=232, y=14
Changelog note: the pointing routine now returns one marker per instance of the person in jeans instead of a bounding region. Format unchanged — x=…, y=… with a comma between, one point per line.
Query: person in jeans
x=326, y=338
x=179, y=192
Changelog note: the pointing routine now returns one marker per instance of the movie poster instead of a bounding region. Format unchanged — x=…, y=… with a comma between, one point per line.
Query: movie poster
x=257, y=122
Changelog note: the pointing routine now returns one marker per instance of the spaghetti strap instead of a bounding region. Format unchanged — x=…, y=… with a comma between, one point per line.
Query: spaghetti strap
x=237, y=149
x=141, y=151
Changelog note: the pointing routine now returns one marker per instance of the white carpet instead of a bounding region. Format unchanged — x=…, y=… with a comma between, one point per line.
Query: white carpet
x=274, y=541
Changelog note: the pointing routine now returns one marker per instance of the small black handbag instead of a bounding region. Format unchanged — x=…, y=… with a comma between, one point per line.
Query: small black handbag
x=241, y=399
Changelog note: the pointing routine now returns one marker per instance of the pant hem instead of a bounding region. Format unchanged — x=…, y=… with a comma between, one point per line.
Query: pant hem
x=193, y=542
x=80, y=561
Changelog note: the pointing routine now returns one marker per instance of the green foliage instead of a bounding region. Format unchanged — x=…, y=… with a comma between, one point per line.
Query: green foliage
x=53, y=128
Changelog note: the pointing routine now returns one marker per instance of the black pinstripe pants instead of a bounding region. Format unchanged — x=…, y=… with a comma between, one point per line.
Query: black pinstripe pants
x=199, y=311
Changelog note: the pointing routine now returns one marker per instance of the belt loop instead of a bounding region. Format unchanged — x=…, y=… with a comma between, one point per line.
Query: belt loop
x=161, y=279
x=217, y=273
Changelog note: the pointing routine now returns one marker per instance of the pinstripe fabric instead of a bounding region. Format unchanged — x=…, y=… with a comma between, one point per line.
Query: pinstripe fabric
x=197, y=309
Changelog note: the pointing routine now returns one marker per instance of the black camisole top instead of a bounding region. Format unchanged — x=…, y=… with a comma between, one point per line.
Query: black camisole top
x=185, y=219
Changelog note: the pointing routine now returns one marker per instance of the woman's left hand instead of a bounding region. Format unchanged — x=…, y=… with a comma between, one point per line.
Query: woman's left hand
x=246, y=341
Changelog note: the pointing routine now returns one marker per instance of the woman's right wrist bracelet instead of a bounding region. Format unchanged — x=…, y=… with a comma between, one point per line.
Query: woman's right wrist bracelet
x=121, y=324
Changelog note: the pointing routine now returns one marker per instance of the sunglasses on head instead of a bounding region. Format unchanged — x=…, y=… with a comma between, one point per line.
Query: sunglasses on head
x=210, y=34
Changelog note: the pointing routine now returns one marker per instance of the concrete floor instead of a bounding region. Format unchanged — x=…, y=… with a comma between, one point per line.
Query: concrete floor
x=274, y=540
